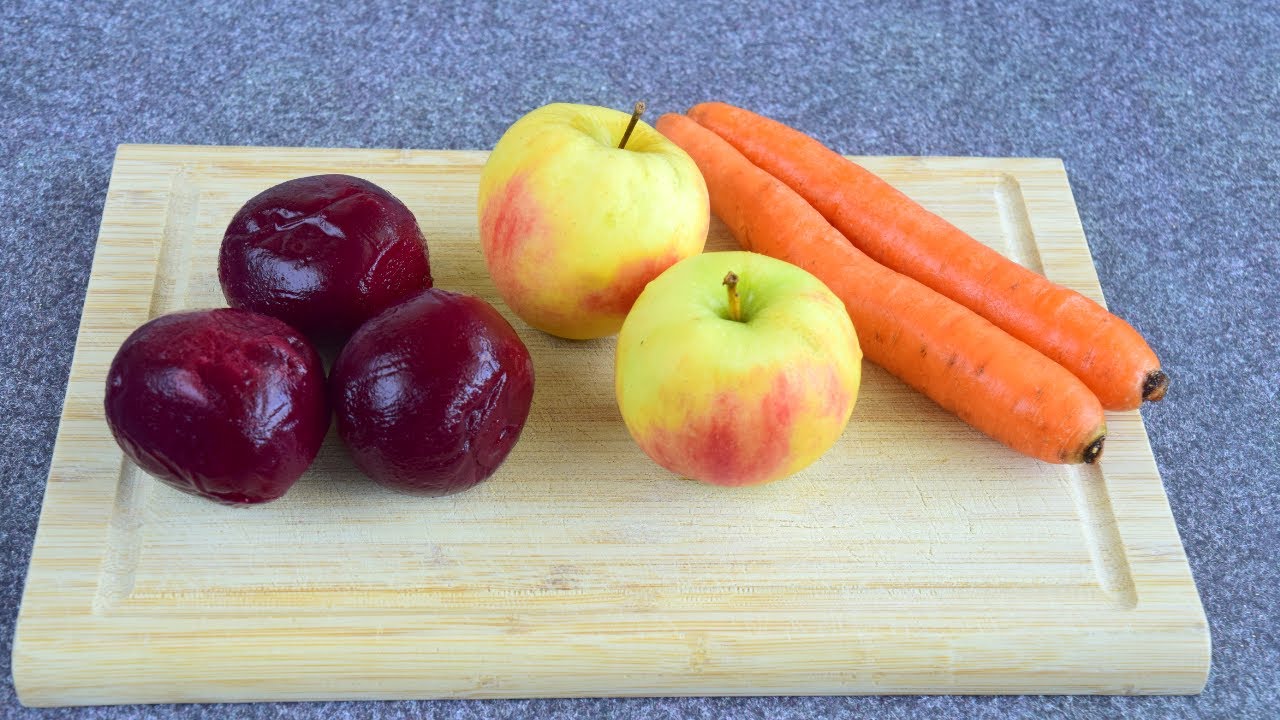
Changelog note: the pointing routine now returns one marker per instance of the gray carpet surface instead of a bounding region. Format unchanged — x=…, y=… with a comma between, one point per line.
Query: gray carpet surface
x=1166, y=115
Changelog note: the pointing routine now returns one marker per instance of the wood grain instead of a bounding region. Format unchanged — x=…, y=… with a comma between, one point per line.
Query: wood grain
x=917, y=556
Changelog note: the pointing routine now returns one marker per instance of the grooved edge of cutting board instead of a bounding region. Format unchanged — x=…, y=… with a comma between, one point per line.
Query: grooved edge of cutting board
x=917, y=557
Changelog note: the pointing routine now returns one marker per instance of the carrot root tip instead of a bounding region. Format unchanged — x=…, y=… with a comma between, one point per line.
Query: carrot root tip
x=1155, y=386
x=1094, y=450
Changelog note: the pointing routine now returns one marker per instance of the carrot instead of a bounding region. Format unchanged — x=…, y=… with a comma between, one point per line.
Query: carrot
x=989, y=379
x=1112, y=358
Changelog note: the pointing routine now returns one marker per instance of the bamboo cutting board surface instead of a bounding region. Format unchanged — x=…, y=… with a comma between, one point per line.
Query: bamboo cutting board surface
x=917, y=556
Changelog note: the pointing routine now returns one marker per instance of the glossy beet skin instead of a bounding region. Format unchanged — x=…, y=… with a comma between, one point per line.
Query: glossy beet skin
x=432, y=394
x=323, y=253
x=226, y=404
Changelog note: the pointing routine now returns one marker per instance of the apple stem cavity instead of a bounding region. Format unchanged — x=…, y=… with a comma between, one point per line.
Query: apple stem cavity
x=635, y=118
x=735, y=302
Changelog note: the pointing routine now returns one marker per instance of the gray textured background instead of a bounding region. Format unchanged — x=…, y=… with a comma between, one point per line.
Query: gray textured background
x=1167, y=118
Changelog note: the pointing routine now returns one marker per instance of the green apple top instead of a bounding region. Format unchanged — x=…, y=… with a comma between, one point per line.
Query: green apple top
x=573, y=227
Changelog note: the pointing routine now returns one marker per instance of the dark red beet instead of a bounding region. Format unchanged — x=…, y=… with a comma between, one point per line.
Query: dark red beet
x=323, y=253
x=432, y=394
x=226, y=404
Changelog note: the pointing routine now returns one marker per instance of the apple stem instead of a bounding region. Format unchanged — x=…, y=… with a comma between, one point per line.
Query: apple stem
x=735, y=303
x=635, y=118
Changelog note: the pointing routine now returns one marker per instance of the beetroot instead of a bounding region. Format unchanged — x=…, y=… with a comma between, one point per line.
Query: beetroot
x=226, y=404
x=432, y=394
x=323, y=253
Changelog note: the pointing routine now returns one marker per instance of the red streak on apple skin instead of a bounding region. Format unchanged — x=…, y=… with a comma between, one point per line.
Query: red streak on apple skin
x=627, y=285
x=511, y=215
x=835, y=396
x=512, y=228
x=738, y=443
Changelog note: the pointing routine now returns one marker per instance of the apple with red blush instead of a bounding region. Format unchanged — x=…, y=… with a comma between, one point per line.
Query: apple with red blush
x=735, y=368
x=580, y=207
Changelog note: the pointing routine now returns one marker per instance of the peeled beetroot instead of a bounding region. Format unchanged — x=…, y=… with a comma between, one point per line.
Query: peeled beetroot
x=323, y=253
x=226, y=404
x=432, y=394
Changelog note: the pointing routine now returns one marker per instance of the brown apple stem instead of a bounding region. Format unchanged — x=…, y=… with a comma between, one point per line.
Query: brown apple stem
x=735, y=303
x=635, y=118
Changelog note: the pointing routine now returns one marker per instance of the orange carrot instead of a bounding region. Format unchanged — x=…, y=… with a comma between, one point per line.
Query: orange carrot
x=1112, y=359
x=991, y=380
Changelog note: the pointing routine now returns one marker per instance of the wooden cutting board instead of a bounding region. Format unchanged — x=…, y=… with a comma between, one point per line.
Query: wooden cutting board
x=917, y=556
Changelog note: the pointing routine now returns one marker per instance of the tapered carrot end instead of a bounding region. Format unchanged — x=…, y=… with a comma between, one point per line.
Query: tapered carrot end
x=666, y=120
x=1155, y=386
x=1094, y=452
x=675, y=127
x=702, y=108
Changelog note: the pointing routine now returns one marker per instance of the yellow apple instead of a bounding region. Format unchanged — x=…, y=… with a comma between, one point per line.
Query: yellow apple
x=735, y=368
x=573, y=226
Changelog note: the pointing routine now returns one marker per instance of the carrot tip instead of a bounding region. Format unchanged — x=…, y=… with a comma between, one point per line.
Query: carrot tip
x=1155, y=386
x=1094, y=451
